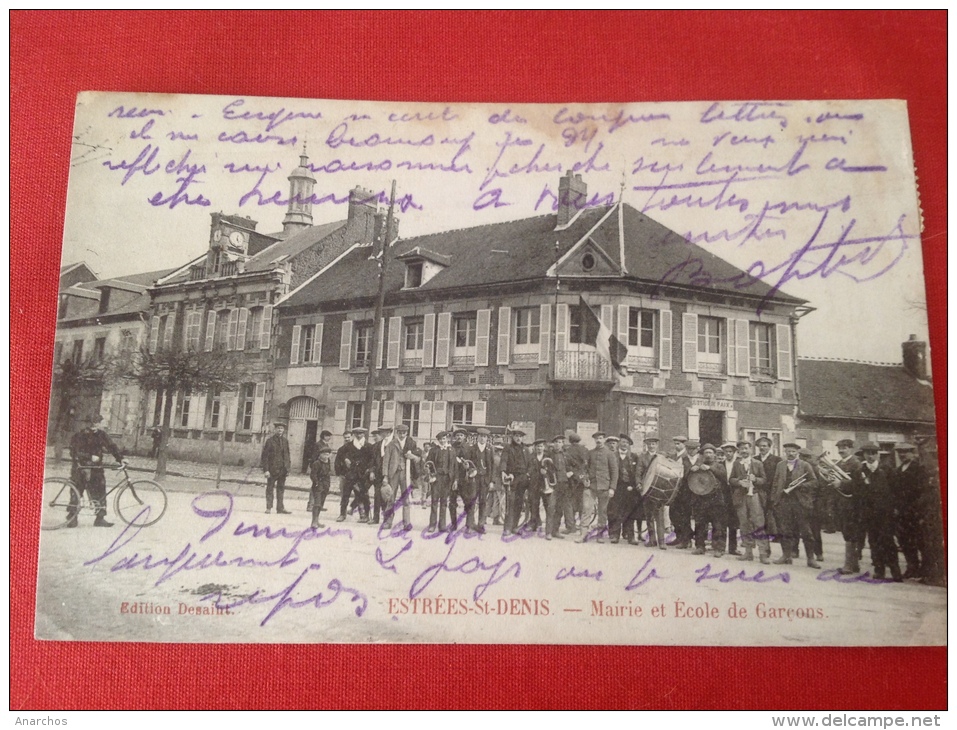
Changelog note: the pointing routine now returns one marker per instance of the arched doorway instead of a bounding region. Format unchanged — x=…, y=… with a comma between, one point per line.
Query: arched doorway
x=305, y=415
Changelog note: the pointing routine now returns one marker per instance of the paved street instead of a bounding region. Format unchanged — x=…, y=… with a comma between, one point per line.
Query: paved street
x=217, y=568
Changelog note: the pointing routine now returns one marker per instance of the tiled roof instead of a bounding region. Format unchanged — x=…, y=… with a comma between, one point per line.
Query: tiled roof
x=524, y=250
x=840, y=389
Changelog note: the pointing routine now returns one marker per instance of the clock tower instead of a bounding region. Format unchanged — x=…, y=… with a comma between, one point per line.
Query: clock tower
x=301, y=185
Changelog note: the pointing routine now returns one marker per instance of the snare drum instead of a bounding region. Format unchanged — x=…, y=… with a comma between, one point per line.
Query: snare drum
x=660, y=483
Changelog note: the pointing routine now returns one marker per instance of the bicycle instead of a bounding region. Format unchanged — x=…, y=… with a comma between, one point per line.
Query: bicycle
x=141, y=503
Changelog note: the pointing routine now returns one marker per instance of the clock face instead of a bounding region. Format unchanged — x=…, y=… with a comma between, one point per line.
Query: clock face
x=237, y=238
x=217, y=234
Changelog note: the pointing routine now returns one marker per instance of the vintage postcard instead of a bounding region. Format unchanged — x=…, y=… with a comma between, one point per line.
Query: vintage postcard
x=336, y=371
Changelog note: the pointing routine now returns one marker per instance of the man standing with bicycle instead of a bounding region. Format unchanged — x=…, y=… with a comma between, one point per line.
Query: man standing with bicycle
x=86, y=450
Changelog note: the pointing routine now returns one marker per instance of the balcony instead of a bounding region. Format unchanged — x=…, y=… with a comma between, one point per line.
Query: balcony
x=582, y=367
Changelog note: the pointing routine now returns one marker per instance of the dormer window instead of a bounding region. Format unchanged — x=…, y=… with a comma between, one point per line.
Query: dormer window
x=413, y=275
x=421, y=265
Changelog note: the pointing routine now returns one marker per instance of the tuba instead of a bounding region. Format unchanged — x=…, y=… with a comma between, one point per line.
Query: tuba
x=551, y=475
x=430, y=472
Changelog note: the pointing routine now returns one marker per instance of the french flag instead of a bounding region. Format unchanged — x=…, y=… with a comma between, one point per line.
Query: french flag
x=594, y=332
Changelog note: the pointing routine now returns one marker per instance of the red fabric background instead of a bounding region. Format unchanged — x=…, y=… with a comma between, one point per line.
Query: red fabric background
x=483, y=56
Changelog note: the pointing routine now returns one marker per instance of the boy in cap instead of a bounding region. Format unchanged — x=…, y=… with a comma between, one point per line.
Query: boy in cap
x=86, y=452
x=320, y=471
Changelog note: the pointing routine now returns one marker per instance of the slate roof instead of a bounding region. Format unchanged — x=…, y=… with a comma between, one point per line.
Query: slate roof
x=524, y=250
x=131, y=282
x=852, y=390
x=292, y=246
x=287, y=249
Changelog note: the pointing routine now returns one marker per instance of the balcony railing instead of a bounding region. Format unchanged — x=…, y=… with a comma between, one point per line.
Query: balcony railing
x=582, y=367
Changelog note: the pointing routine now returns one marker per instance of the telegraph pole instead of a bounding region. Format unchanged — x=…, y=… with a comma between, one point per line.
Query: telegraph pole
x=383, y=262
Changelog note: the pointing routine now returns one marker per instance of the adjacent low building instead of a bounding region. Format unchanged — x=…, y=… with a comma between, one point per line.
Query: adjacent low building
x=884, y=403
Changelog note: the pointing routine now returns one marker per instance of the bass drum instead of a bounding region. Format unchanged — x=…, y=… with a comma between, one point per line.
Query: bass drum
x=702, y=483
x=660, y=482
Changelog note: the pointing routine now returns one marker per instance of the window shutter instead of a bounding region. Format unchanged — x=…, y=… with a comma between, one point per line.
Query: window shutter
x=388, y=413
x=623, y=312
x=606, y=313
x=561, y=328
x=442, y=340
x=259, y=406
x=482, y=320
x=504, y=326
x=478, y=412
x=742, y=347
x=425, y=422
x=689, y=343
x=395, y=335
x=154, y=333
x=545, y=333
x=345, y=346
x=317, y=345
x=374, y=420
x=428, y=341
x=339, y=420
x=783, y=338
x=229, y=402
x=170, y=327
x=265, y=328
x=294, y=352
x=664, y=355
x=197, y=411
x=231, y=332
x=439, y=422
x=380, y=343
x=210, y=331
x=241, y=329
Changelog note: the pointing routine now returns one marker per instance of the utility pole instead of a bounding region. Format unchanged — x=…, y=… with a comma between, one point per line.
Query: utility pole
x=377, y=317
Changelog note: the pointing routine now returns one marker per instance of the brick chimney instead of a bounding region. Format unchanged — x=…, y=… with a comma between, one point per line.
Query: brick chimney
x=915, y=357
x=361, y=222
x=572, y=194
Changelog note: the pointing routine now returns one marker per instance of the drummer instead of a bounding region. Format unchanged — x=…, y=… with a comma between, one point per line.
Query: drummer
x=654, y=508
x=708, y=505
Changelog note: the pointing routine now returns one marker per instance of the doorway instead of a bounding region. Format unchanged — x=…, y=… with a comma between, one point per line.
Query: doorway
x=711, y=428
x=309, y=442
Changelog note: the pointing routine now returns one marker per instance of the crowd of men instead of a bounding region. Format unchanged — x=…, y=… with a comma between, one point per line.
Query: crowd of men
x=736, y=499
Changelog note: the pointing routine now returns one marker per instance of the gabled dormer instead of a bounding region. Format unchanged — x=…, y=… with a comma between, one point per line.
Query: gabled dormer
x=421, y=265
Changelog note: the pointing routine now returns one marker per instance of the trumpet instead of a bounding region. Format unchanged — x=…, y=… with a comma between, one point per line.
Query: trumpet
x=470, y=470
x=430, y=472
x=551, y=475
x=795, y=484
